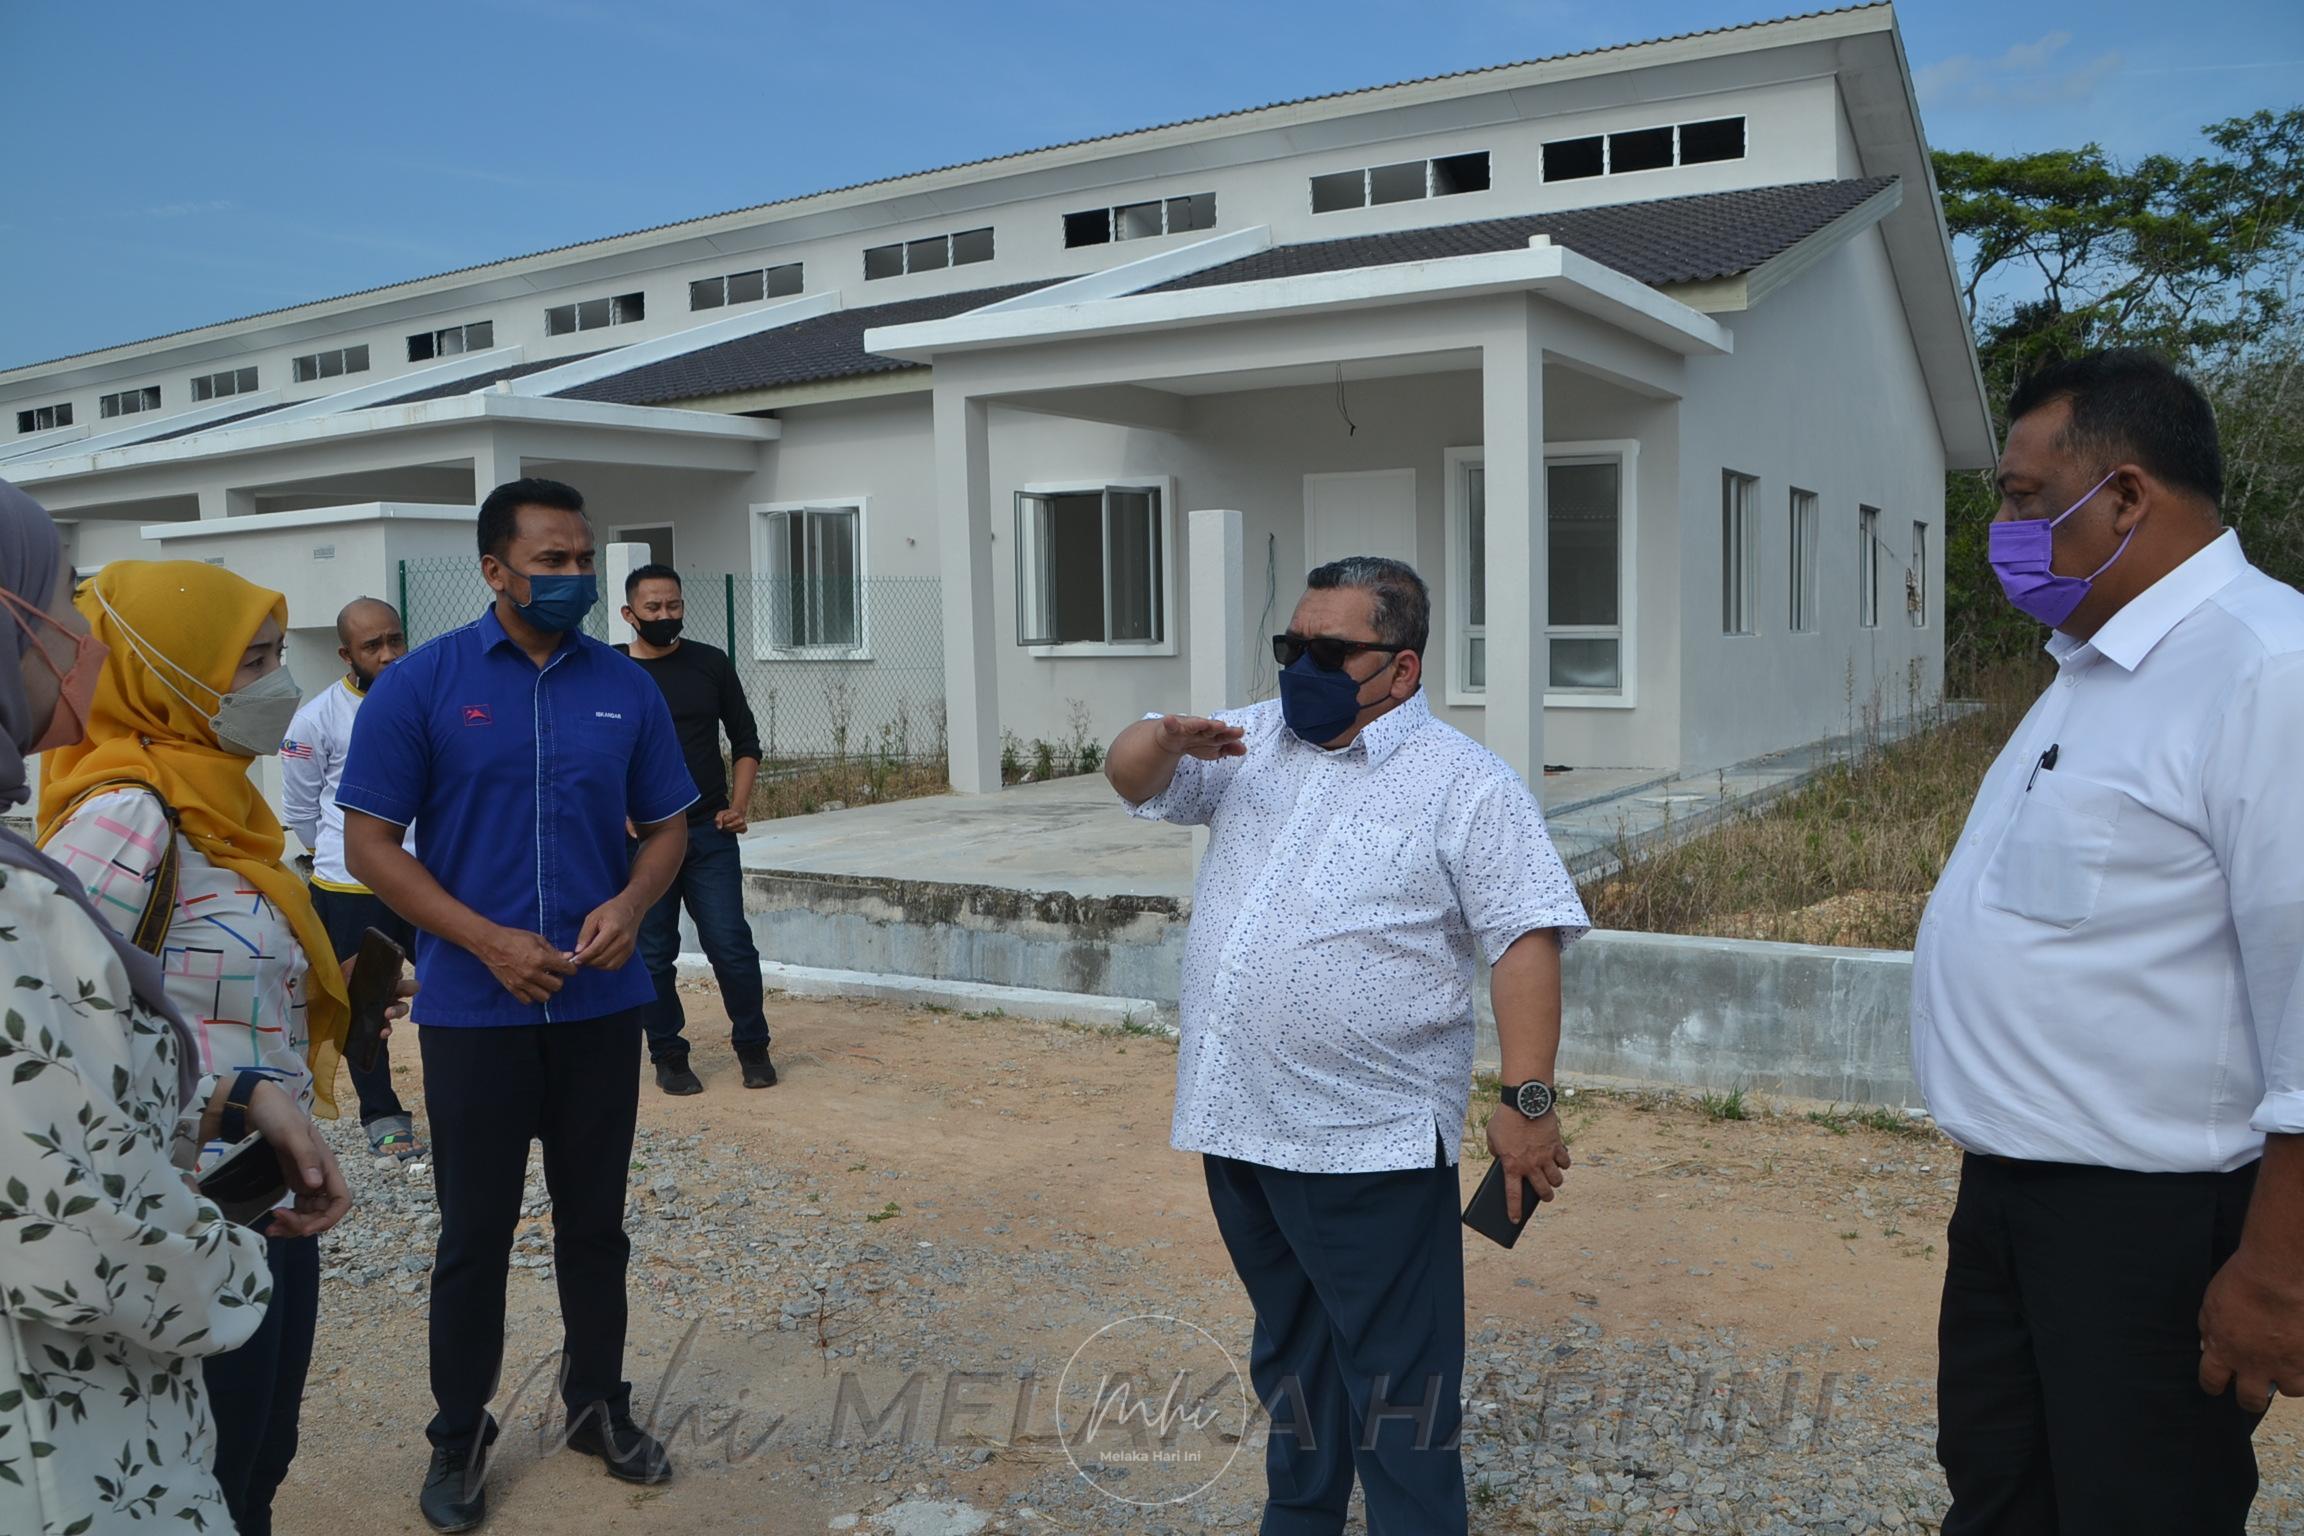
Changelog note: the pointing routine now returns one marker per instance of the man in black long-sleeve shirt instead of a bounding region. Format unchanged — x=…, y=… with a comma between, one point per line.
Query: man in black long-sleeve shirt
x=701, y=686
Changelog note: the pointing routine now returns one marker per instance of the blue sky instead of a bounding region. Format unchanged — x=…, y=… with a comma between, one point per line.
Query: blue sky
x=174, y=164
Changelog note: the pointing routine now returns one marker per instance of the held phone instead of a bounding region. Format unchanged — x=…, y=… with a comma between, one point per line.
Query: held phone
x=246, y=1181
x=375, y=986
x=1485, y=1215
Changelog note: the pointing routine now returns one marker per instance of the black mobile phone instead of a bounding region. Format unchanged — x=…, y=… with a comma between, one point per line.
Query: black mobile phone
x=1486, y=1214
x=375, y=986
x=245, y=1182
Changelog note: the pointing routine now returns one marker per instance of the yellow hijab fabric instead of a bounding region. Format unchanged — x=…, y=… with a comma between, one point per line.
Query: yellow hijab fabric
x=201, y=618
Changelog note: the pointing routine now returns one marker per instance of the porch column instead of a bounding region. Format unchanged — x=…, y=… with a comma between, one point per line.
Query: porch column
x=1216, y=551
x=964, y=540
x=494, y=463
x=1512, y=422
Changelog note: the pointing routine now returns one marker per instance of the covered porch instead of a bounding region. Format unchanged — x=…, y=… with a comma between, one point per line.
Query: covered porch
x=1272, y=423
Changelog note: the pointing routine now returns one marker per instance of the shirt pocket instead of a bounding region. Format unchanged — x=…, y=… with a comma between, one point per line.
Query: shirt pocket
x=2049, y=866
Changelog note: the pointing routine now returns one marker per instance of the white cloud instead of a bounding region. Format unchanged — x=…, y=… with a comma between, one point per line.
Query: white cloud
x=2026, y=74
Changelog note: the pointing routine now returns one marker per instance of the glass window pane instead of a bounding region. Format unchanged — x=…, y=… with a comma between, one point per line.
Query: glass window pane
x=1093, y=227
x=1195, y=212
x=1720, y=139
x=1587, y=663
x=1583, y=523
x=927, y=255
x=971, y=245
x=420, y=347
x=356, y=359
x=1339, y=190
x=1076, y=566
x=1476, y=663
x=1035, y=601
x=450, y=342
x=591, y=314
x=884, y=261
x=1135, y=564
x=708, y=293
x=480, y=335
x=832, y=576
x=627, y=308
x=331, y=365
x=784, y=281
x=247, y=380
x=1401, y=183
x=1476, y=545
x=1452, y=174
x=747, y=287
x=1136, y=221
x=204, y=389
x=1643, y=149
x=1572, y=159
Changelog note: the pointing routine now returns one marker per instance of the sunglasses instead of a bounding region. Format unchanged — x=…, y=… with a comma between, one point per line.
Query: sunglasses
x=1327, y=653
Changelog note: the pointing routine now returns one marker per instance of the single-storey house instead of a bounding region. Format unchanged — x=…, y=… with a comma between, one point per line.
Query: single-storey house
x=1651, y=358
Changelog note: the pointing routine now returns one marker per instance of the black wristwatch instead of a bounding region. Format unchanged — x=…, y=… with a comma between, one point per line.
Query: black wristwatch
x=1532, y=1098
x=232, y=1124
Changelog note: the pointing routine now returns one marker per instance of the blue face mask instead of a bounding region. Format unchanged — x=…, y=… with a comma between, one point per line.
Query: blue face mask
x=558, y=603
x=1318, y=705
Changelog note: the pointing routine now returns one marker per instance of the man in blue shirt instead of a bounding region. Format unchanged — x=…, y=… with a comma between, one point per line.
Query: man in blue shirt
x=519, y=748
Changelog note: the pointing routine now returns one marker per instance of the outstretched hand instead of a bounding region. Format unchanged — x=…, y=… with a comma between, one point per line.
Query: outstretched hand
x=1193, y=736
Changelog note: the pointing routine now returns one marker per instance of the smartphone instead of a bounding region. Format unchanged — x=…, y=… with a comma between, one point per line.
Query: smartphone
x=245, y=1182
x=1486, y=1214
x=375, y=987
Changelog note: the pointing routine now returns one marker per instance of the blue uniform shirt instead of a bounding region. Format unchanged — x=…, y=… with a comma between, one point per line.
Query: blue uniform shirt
x=518, y=781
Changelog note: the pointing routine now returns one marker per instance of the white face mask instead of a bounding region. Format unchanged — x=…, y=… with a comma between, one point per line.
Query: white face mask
x=251, y=721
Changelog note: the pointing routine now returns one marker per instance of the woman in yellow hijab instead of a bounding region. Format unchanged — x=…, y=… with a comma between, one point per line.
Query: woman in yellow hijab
x=156, y=814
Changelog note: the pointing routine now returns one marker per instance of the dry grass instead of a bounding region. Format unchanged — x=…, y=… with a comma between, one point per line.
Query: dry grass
x=1849, y=859
x=801, y=789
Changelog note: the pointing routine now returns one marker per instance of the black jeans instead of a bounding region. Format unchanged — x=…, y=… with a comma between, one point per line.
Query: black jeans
x=1358, y=1284
x=490, y=1092
x=347, y=915
x=256, y=1392
x=711, y=882
x=2068, y=1394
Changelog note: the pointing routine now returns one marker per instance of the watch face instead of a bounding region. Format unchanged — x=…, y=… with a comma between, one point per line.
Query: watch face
x=1535, y=1100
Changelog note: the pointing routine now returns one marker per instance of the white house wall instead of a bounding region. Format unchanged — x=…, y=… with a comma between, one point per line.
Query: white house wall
x=1824, y=392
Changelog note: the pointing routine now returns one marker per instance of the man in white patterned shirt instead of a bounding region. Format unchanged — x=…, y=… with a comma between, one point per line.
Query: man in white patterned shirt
x=1365, y=858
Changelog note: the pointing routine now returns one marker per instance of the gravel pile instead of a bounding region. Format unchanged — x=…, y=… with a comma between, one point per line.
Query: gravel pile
x=1572, y=1429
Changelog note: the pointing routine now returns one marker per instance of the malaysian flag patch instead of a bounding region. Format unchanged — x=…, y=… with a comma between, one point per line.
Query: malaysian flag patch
x=296, y=749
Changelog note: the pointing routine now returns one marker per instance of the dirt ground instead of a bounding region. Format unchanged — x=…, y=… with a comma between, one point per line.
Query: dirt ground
x=1021, y=1175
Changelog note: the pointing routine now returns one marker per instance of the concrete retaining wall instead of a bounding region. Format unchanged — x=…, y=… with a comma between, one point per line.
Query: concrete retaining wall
x=1791, y=1019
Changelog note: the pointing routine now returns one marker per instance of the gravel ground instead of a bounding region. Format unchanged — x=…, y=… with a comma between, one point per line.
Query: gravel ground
x=772, y=1274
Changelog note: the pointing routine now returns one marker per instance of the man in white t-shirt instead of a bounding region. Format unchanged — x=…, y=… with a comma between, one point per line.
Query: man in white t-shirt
x=369, y=639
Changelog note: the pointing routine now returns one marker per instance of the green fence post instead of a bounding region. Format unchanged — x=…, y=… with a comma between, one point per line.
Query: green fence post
x=730, y=579
x=404, y=621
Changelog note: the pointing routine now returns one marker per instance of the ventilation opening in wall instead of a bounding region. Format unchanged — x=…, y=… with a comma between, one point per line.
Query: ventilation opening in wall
x=1573, y=159
x=1452, y=174
x=1720, y=139
x=1643, y=149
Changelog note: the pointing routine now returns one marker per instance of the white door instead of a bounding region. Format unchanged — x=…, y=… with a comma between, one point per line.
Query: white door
x=1369, y=513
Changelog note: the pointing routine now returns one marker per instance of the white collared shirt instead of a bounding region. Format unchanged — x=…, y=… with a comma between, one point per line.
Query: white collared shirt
x=1342, y=910
x=311, y=766
x=2108, y=970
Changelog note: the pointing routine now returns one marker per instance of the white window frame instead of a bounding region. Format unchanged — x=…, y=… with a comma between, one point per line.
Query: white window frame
x=1867, y=567
x=1804, y=512
x=762, y=514
x=1744, y=622
x=1165, y=485
x=1625, y=451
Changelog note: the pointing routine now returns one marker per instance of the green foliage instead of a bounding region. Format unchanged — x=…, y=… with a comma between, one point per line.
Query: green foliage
x=2070, y=250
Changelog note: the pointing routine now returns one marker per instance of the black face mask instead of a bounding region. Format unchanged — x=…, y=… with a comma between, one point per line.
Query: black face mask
x=658, y=632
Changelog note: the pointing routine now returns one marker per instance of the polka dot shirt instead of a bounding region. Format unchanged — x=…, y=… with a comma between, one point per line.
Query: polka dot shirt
x=1338, y=925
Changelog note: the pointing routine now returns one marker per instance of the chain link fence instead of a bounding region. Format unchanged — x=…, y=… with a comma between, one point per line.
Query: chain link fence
x=836, y=671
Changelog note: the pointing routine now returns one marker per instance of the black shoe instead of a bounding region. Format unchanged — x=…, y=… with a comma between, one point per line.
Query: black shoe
x=759, y=1071
x=673, y=1076
x=629, y=1452
x=455, y=1496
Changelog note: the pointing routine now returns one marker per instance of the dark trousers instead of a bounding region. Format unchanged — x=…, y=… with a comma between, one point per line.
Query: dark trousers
x=348, y=915
x=256, y=1392
x=491, y=1091
x=1358, y=1284
x=2068, y=1395
x=711, y=882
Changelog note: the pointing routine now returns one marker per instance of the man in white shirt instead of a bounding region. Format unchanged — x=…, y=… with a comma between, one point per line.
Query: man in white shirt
x=1364, y=860
x=2106, y=1012
x=369, y=639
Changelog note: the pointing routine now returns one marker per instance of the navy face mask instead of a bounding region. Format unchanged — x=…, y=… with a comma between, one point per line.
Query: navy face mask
x=557, y=602
x=1318, y=705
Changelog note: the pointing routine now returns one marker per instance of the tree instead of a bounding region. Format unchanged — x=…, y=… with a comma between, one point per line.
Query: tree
x=2069, y=250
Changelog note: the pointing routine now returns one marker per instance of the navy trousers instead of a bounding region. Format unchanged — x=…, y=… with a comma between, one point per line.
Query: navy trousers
x=1358, y=1284
x=256, y=1392
x=348, y=915
x=711, y=883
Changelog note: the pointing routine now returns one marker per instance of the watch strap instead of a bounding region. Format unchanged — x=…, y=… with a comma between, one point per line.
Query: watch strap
x=232, y=1125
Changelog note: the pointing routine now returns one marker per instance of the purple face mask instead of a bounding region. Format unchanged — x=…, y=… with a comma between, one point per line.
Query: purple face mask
x=2023, y=554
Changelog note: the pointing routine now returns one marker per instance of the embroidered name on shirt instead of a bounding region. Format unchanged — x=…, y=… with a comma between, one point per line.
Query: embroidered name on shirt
x=606, y=714
x=477, y=714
